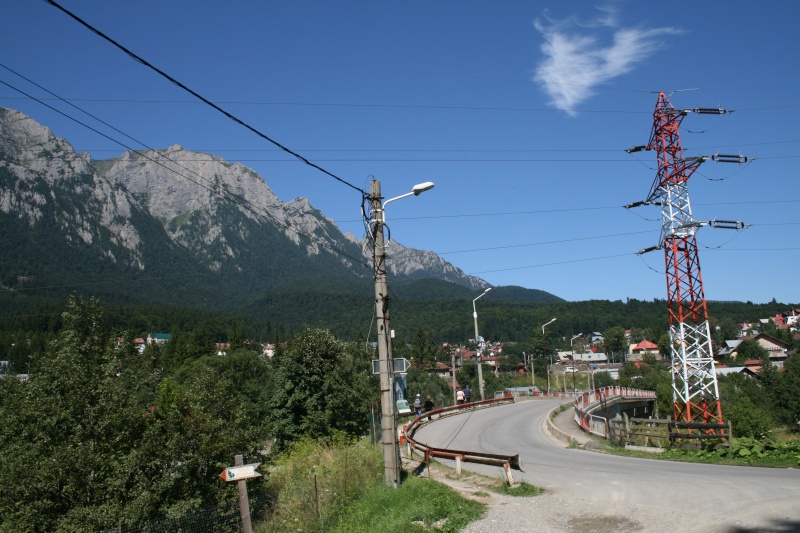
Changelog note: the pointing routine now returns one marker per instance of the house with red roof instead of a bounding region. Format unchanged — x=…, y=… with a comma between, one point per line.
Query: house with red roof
x=637, y=351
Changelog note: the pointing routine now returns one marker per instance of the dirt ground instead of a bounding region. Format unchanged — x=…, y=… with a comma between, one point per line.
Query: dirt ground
x=549, y=512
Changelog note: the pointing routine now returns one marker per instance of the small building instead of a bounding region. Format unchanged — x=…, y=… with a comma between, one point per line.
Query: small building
x=728, y=370
x=563, y=356
x=729, y=350
x=777, y=349
x=158, y=338
x=590, y=356
x=636, y=352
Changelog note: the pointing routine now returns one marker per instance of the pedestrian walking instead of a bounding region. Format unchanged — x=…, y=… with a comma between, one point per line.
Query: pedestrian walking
x=460, y=396
x=467, y=394
x=418, y=405
x=428, y=405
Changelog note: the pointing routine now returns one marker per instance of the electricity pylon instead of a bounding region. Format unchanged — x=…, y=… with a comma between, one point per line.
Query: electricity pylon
x=695, y=392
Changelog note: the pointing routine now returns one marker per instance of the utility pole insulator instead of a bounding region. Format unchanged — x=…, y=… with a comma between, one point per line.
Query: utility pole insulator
x=727, y=224
x=646, y=250
x=730, y=158
x=710, y=111
x=635, y=149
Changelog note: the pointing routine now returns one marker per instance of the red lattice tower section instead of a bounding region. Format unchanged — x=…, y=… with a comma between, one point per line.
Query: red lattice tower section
x=694, y=381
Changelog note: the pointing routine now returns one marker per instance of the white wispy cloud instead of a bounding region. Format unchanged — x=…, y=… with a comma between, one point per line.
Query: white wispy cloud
x=581, y=55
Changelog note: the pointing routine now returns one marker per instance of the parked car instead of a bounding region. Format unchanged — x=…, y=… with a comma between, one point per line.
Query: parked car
x=570, y=369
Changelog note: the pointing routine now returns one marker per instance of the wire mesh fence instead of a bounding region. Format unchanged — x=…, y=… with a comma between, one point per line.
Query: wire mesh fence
x=220, y=519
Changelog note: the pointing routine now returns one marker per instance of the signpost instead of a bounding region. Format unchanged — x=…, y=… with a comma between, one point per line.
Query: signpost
x=400, y=365
x=237, y=473
x=241, y=472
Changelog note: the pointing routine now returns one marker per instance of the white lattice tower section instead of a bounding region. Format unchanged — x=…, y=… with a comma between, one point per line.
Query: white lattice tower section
x=694, y=381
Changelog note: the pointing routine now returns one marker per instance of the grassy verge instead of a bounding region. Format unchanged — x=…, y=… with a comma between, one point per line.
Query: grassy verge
x=339, y=487
x=745, y=452
x=522, y=489
x=417, y=505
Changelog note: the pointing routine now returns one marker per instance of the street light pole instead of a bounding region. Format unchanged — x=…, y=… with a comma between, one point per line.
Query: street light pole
x=574, y=368
x=391, y=448
x=477, y=343
x=533, y=379
x=544, y=352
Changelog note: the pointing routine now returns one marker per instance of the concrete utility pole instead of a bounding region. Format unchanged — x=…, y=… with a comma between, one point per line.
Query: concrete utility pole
x=391, y=448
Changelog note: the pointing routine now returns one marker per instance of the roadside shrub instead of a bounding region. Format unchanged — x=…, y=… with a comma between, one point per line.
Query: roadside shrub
x=748, y=419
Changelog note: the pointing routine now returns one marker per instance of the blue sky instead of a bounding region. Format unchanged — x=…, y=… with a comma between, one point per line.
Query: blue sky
x=520, y=112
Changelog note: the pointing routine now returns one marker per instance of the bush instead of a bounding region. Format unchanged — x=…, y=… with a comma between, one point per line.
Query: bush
x=748, y=419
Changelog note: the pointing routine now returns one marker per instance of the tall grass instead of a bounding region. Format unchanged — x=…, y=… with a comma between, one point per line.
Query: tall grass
x=416, y=505
x=339, y=487
x=316, y=481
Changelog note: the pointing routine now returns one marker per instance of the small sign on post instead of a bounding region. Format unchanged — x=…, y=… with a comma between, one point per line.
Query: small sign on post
x=238, y=473
x=241, y=472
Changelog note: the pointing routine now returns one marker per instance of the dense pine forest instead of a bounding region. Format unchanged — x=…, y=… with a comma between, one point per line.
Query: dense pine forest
x=30, y=321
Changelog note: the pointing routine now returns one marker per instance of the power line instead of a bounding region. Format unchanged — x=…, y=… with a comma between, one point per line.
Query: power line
x=543, y=243
x=199, y=97
x=381, y=105
x=553, y=264
x=604, y=257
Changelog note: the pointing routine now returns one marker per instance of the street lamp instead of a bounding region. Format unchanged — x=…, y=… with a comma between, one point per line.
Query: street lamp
x=570, y=344
x=574, y=368
x=391, y=449
x=544, y=351
x=477, y=343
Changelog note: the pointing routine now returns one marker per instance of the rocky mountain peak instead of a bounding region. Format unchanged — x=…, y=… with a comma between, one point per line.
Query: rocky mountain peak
x=221, y=212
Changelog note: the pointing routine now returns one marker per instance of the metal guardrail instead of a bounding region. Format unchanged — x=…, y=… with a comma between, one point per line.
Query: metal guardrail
x=506, y=461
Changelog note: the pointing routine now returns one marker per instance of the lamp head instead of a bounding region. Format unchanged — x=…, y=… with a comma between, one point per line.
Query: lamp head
x=422, y=187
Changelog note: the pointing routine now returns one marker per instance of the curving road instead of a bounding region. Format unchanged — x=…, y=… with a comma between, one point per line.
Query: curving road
x=598, y=492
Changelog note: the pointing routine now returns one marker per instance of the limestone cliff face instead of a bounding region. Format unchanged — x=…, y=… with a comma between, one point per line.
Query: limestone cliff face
x=43, y=176
x=223, y=213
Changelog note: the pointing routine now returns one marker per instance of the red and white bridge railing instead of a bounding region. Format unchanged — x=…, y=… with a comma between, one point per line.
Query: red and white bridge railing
x=598, y=425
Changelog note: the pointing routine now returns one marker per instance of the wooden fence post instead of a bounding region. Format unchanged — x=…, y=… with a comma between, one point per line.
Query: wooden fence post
x=244, y=502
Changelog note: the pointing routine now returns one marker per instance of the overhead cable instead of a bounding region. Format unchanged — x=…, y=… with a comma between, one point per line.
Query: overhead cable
x=199, y=97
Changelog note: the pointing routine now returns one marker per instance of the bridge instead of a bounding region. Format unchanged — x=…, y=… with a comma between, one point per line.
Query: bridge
x=594, y=409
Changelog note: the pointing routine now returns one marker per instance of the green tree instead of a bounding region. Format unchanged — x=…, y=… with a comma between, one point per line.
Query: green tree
x=194, y=429
x=746, y=405
x=319, y=386
x=787, y=392
x=104, y=442
x=650, y=374
x=603, y=379
x=726, y=329
x=73, y=427
x=424, y=349
x=429, y=384
x=665, y=346
x=615, y=341
x=750, y=349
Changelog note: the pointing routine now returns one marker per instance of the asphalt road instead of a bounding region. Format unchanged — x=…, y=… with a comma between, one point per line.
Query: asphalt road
x=641, y=494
